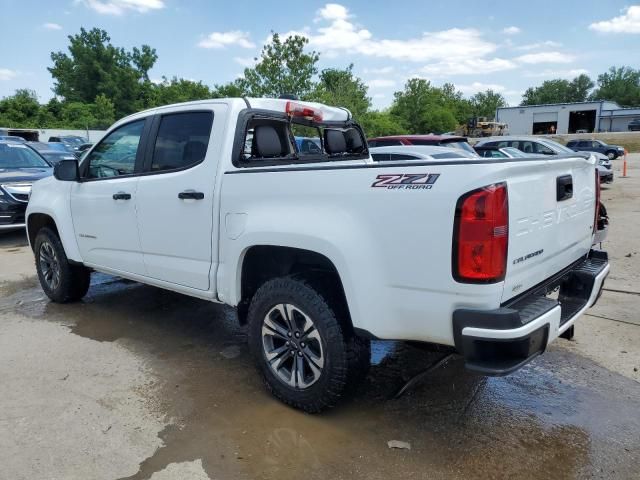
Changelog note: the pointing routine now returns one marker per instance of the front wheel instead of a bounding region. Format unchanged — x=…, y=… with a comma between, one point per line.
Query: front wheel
x=305, y=356
x=611, y=155
x=61, y=281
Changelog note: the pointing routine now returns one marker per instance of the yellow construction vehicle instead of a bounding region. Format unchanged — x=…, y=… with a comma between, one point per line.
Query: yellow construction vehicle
x=482, y=127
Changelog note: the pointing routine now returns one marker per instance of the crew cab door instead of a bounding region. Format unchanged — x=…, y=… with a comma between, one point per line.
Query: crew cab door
x=176, y=196
x=103, y=203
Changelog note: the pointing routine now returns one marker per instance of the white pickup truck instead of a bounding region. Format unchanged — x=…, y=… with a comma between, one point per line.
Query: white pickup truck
x=324, y=250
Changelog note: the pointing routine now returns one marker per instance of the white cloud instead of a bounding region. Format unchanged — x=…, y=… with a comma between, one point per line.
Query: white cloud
x=378, y=96
x=549, y=73
x=538, y=46
x=381, y=83
x=511, y=30
x=119, y=7
x=546, y=57
x=379, y=71
x=628, y=22
x=6, y=74
x=51, y=26
x=469, y=66
x=476, y=87
x=245, y=61
x=332, y=11
x=224, y=39
x=339, y=34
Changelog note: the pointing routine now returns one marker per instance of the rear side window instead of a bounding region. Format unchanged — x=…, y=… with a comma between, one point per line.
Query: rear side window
x=182, y=140
x=385, y=143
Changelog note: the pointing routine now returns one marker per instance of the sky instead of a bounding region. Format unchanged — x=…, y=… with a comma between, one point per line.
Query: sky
x=503, y=45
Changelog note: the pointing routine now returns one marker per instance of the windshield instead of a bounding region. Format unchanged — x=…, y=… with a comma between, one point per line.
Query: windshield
x=19, y=156
x=514, y=152
x=460, y=145
x=557, y=147
x=73, y=140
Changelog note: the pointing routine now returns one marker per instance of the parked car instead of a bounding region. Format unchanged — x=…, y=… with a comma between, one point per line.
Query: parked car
x=488, y=151
x=11, y=138
x=319, y=255
x=611, y=151
x=20, y=167
x=72, y=142
x=634, y=125
x=605, y=174
x=452, y=141
x=49, y=146
x=308, y=145
x=539, y=146
x=418, y=152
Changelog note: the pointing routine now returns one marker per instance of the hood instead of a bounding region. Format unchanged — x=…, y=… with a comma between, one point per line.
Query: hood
x=24, y=174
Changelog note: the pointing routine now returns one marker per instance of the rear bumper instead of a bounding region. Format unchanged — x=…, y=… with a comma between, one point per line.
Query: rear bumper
x=498, y=342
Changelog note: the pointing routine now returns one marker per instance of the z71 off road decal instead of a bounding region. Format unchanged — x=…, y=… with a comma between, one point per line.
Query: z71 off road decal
x=405, y=181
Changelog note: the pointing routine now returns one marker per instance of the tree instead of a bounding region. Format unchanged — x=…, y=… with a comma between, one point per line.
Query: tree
x=559, y=91
x=620, y=85
x=20, y=110
x=94, y=67
x=342, y=88
x=423, y=108
x=178, y=90
x=378, y=124
x=104, y=113
x=485, y=104
x=283, y=67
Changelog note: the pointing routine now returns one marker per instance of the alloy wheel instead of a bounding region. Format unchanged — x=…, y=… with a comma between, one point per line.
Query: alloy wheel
x=49, y=265
x=292, y=346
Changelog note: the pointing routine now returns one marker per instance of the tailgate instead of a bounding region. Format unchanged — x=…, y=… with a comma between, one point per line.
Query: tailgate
x=551, y=212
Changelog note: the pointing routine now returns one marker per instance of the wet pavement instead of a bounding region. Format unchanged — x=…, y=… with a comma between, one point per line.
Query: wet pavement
x=562, y=416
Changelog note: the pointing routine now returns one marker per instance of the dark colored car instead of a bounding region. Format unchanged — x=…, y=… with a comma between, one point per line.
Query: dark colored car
x=20, y=167
x=72, y=142
x=611, y=151
x=634, y=125
x=452, y=141
x=53, y=152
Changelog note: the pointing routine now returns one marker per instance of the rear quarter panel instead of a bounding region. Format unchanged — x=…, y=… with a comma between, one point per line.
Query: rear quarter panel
x=391, y=246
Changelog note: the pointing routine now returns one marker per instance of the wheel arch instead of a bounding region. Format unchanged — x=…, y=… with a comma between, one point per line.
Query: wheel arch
x=259, y=263
x=37, y=221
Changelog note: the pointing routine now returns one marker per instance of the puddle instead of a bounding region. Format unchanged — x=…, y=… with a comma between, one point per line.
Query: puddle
x=560, y=417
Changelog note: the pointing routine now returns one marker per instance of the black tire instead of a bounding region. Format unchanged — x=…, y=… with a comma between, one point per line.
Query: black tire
x=345, y=356
x=72, y=280
x=611, y=155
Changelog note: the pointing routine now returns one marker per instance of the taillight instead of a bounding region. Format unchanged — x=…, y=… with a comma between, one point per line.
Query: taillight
x=481, y=235
x=597, y=212
x=294, y=109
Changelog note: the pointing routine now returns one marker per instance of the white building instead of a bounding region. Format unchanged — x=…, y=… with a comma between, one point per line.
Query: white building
x=562, y=118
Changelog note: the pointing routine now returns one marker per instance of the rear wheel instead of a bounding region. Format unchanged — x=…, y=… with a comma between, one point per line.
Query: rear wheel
x=61, y=281
x=305, y=355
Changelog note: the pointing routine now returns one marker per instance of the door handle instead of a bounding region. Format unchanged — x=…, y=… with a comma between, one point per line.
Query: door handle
x=564, y=187
x=122, y=196
x=190, y=195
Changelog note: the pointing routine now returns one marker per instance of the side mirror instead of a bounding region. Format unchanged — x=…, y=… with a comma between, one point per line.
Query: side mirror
x=67, y=171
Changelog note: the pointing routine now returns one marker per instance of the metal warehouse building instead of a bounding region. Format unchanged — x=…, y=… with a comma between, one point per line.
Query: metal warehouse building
x=600, y=116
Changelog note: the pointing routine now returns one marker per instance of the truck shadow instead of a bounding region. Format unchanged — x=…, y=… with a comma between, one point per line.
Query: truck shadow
x=560, y=417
